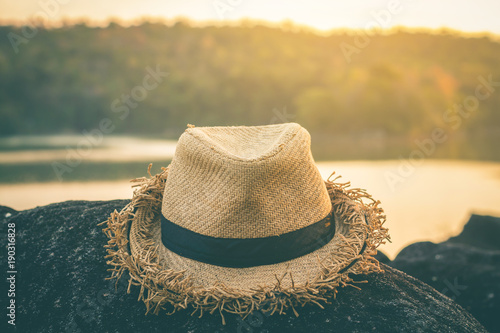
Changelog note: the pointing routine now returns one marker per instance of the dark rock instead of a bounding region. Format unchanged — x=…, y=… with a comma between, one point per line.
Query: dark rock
x=382, y=258
x=480, y=231
x=61, y=287
x=6, y=212
x=464, y=268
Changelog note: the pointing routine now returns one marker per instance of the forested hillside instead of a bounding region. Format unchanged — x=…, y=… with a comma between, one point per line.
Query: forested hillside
x=389, y=89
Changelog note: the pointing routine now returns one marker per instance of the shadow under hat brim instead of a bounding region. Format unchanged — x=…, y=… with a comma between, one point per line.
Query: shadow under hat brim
x=168, y=278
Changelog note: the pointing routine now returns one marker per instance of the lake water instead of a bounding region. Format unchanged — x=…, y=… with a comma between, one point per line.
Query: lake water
x=431, y=201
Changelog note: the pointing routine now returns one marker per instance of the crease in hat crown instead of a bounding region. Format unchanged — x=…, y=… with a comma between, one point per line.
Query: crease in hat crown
x=245, y=182
x=246, y=144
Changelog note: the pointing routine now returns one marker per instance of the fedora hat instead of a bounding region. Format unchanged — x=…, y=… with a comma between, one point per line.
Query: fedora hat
x=242, y=220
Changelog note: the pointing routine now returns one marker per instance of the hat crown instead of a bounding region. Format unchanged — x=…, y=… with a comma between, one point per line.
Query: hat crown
x=244, y=182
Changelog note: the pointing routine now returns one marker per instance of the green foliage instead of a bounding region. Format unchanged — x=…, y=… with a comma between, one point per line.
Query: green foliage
x=397, y=88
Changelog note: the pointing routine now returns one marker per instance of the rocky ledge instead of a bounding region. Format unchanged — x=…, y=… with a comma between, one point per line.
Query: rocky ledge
x=61, y=287
x=465, y=268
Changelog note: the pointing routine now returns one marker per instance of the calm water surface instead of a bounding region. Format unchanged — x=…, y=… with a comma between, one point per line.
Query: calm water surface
x=433, y=202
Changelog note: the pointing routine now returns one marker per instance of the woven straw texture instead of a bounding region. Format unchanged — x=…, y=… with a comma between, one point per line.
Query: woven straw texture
x=173, y=282
x=245, y=182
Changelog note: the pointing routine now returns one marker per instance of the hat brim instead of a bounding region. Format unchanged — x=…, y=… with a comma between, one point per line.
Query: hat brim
x=168, y=279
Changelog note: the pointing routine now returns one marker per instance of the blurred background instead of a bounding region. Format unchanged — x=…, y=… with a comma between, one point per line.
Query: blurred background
x=401, y=98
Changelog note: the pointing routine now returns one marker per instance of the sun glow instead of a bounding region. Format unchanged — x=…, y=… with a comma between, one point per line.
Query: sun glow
x=467, y=16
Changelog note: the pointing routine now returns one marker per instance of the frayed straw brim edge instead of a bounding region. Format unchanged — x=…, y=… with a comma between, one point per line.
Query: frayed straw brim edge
x=161, y=288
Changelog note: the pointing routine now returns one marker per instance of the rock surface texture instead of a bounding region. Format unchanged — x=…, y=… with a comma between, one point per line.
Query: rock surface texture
x=61, y=287
x=465, y=268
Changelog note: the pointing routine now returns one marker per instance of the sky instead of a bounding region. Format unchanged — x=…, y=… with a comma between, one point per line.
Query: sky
x=468, y=16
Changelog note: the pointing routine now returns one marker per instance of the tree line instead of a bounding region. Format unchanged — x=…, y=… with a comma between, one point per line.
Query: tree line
x=153, y=79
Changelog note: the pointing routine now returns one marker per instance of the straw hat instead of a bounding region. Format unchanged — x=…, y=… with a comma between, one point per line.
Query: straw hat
x=242, y=220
